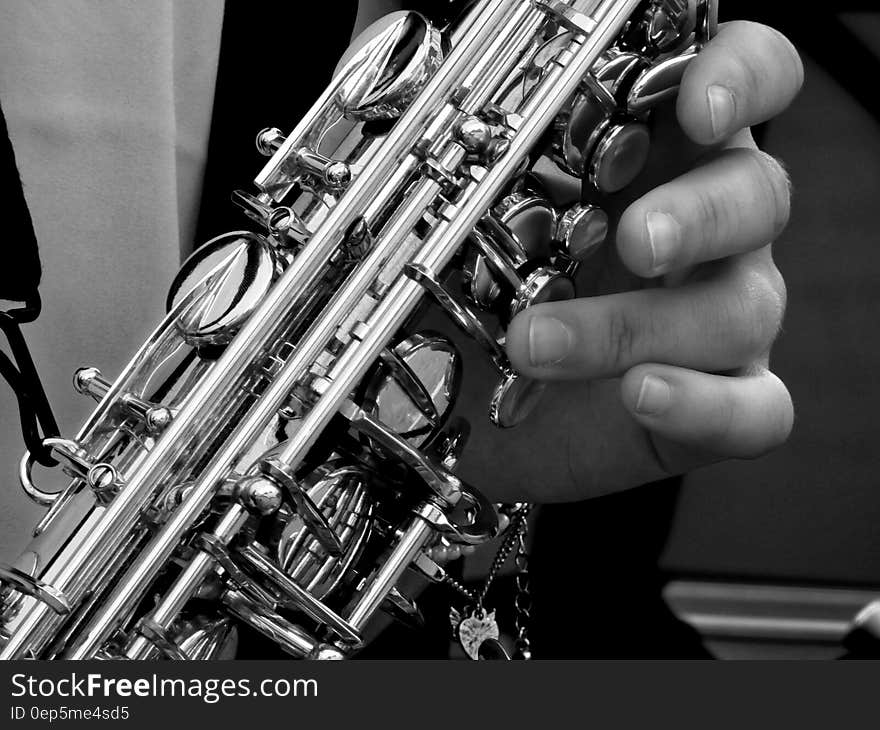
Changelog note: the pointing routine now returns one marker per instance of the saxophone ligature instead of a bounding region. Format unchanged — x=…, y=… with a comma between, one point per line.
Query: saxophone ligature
x=282, y=448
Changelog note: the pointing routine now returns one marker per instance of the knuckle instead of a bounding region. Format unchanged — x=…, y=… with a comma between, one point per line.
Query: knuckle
x=776, y=283
x=713, y=218
x=774, y=186
x=622, y=333
x=755, y=315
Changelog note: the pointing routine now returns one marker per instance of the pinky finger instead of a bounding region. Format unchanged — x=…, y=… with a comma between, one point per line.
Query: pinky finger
x=739, y=417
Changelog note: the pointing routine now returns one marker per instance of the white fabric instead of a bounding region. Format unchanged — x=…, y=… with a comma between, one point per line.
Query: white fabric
x=108, y=106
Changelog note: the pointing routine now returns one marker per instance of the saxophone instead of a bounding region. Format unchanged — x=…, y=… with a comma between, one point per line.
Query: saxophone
x=281, y=449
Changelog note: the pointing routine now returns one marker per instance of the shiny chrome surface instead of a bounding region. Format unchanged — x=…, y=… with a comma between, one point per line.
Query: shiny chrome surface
x=282, y=448
x=582, y=231
x=250, y=267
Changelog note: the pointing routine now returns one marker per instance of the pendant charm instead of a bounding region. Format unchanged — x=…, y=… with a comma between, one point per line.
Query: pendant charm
x=475, y=630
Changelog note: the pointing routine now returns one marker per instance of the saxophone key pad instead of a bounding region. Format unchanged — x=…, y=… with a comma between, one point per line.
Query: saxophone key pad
x=417, y=386
x=657, y=84
x=521, y=227
x=387, y=65
x=513, y=399
x=531, y=220
x=542, y=285
x=582, y=231
x=616, y=73
x=579, y=129
x=619, y=156
x=237, y=270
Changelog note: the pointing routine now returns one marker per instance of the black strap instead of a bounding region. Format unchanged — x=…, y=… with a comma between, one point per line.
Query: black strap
x=19, y=282
x=35, y=413
x=20, y=274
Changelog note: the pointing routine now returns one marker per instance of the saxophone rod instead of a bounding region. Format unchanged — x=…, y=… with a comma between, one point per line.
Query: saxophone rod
x=283, y=301
x=254, y=329
x=524, y=20
x=441, y=244
x=435, y=254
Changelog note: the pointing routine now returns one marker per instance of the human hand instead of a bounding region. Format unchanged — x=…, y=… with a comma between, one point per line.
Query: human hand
x=666, y=369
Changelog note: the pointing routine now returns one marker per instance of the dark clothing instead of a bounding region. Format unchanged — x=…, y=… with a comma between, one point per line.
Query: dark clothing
x=595, y=583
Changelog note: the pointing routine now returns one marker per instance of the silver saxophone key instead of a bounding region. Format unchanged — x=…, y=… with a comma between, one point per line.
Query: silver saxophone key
x=282, y=448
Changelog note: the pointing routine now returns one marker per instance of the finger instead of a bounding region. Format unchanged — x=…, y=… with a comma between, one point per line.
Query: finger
x=745, y=75
x=737, y=202
x=714, y=324
x=740, y=417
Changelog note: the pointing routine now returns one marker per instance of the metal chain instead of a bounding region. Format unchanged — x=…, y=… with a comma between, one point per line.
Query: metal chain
x=516, y=537
x=522, y=602
x=518, y=524
x=504, y=550
x=455, y=585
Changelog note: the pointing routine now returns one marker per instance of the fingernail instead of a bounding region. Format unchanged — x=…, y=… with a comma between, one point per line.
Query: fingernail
x=549, y=341
x=664, y=237
x=722, y=107
x=655, y=396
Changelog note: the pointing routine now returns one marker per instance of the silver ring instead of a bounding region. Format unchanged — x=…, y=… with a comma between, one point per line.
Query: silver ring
x=26, y=467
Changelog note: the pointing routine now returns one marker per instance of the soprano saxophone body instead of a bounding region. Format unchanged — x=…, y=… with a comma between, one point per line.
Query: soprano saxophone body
x=282, y=448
